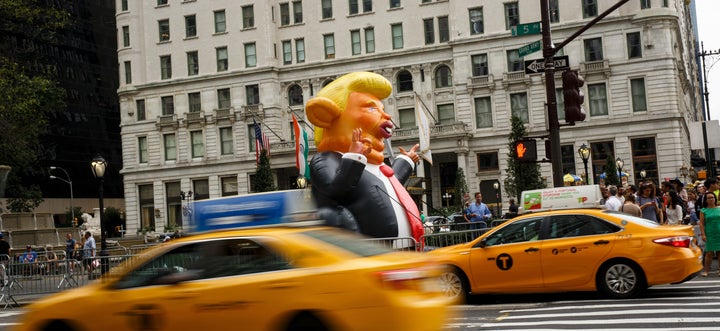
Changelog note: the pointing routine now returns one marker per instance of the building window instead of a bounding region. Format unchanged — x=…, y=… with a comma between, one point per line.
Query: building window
x=248, y=14
x=487, y=161
x=229, y=186
x=201, y=189
x=593, y=49
x=194, y=104
x=197, y=148
x=252, y=94
x=190, y=26
x=567, y=158
x=514, y=61
x=407, y=117
x=512, y=15
x=140, y=109
x=142, y=149
x=599, y=152
x=124, y=5
x=162, y=2
x=404, y=81
x=164, y=30
x=287, y=52
x=367, y=6
x=327, y=10
x=637, y=88
x=251, y=137
x=395, y=4
x=165, y=67
x=147, y=207
x=220, y=25
x=428, y=25
x=483, y=113
x=297, y=12
x=446, y=114
x=192, y=63
x=329, y=42
x=223, y=96
x=560, y=102
x=644, y=157
x=479, y=65
x=353, y=4
x=598, y=99
x=443, y=29
x=443, y=77
x=173, y=204
x=519, y=106
x=589, y=8
x=665, y=3
x=300, y=50
x=221, y=55
x=170, y=146
x=284, y=14
x=369, y=40
x=644, y=4
x=128, y=72
x=355, y=42
x=168, y=106
x=554, y=11
x=126, y=36
x=397, y=35
x=476, y=21
x=250, y=55
x=226, y=141
x=295, y=95
x=633, y=45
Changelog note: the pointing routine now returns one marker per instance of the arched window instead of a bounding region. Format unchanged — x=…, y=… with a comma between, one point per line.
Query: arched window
x=404, y=81
x=295, y=95
x=328, y=81
x=443, y=77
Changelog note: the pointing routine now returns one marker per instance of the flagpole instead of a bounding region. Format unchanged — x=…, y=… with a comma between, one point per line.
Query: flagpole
x=425, y=107
x=303, y=121
x=254, y=116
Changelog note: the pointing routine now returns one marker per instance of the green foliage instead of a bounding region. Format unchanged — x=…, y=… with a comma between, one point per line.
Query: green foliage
x=264, y=181
x=25, y=200
x=611, y=172
x=460, y=189
x=521, y=176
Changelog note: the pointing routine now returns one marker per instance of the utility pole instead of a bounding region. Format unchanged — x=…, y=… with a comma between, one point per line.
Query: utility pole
x=548, y=53
x=708, y=158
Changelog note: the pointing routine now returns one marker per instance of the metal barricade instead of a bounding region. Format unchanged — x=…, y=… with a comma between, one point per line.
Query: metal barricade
x=449, y=238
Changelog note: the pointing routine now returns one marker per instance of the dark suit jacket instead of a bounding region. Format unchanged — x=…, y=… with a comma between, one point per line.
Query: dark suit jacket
x=344, y=182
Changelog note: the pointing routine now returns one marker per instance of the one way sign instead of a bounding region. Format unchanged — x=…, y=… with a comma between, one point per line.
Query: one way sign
x=538, y=65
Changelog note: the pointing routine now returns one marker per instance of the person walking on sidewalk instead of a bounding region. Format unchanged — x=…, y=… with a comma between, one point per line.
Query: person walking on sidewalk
x=710, y=229
x=4, y=259
x=89, y=254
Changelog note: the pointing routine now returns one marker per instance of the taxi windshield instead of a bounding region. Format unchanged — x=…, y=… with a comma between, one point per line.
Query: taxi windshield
x=349, y=242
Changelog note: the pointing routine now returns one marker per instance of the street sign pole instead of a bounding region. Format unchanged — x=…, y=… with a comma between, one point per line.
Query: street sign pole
x=553, y=125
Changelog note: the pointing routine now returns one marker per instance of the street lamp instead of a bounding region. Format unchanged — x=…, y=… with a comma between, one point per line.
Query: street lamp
x=69, y=182
x=496, y=186
x=584, y=152
x=99, y=165
x=447, y=197
x=619, y=162
x=684, y=171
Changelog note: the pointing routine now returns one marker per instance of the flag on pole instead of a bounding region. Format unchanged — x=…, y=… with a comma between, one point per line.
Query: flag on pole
x=261, y=142
x=423, y=123
x=301, y=149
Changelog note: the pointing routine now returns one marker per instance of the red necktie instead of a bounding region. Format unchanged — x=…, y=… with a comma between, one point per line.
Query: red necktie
x=407, y=203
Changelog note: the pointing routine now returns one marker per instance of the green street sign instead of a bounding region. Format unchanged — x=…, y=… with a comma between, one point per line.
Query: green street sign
x=525, y=29
x=529, y=48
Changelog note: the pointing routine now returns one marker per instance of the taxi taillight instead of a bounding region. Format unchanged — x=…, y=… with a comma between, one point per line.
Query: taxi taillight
x=409, y=279
x=680, y=241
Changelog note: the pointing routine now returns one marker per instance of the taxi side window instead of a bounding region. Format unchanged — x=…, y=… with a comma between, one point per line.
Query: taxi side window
x=163, y=268
x=241, y=256
x=565, y=226
x=520, y=231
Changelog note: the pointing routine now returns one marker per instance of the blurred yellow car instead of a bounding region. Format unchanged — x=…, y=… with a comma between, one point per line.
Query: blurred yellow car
x=571, y=250
x=272, y=278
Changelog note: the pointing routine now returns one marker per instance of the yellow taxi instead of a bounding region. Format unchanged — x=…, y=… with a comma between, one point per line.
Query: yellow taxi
x=571, y=250
x=277, y=277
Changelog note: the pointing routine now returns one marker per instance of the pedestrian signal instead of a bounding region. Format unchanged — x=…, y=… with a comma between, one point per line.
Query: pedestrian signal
x=526, y=150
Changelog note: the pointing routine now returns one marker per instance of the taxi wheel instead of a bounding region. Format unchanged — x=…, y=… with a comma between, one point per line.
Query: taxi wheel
x=58, y=326
x=621, y=279
x=454, y=284
x=307, y=322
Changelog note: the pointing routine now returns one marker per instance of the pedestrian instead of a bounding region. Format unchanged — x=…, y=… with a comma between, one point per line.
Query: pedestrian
x=674, y=209
x=4, y=259
x=612, y=202
x=89, y=254
x=478, y=212
x=691, y=206
x=629, y=207
x=710, y=229
x=648, y=203
x=69, y=251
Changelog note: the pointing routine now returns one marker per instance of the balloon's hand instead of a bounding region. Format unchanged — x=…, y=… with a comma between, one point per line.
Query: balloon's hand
x=412, y=154
x=359, y=144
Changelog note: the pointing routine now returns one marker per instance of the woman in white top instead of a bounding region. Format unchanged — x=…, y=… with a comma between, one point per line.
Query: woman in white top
x=675, y=207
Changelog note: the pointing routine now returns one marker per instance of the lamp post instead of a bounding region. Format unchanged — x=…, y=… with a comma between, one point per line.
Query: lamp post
x=69, y=182
x=619, y=162
x=584, y=152
x=99, y=165
x=684, y=171
x=496, y=186
x=447, y=197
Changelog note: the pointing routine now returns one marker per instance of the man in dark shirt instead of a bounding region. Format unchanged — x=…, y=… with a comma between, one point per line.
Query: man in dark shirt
x=69, y=251
x=4, y=259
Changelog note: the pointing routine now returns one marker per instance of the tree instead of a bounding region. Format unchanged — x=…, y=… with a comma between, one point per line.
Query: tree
x=264, y=181
x=460, y=188
x=520, y=176
x=611, y=172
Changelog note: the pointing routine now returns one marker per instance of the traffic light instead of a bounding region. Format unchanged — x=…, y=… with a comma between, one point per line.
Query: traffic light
x=525, y=150
x=573, y=95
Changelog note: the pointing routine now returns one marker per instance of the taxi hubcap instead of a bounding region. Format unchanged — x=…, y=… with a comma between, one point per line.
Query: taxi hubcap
x=451, y=284
x=621, y=279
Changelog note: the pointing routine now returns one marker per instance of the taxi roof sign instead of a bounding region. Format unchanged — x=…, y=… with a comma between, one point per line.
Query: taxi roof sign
x=566, y=197
x=291, y=207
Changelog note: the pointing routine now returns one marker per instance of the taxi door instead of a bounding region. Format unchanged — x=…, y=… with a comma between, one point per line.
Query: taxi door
x=575, y=247
x=509, y=260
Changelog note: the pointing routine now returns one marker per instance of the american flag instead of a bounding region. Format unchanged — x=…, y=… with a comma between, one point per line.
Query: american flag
x=261, y=142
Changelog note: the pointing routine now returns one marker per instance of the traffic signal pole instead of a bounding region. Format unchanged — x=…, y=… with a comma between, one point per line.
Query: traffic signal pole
x=548, y=53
